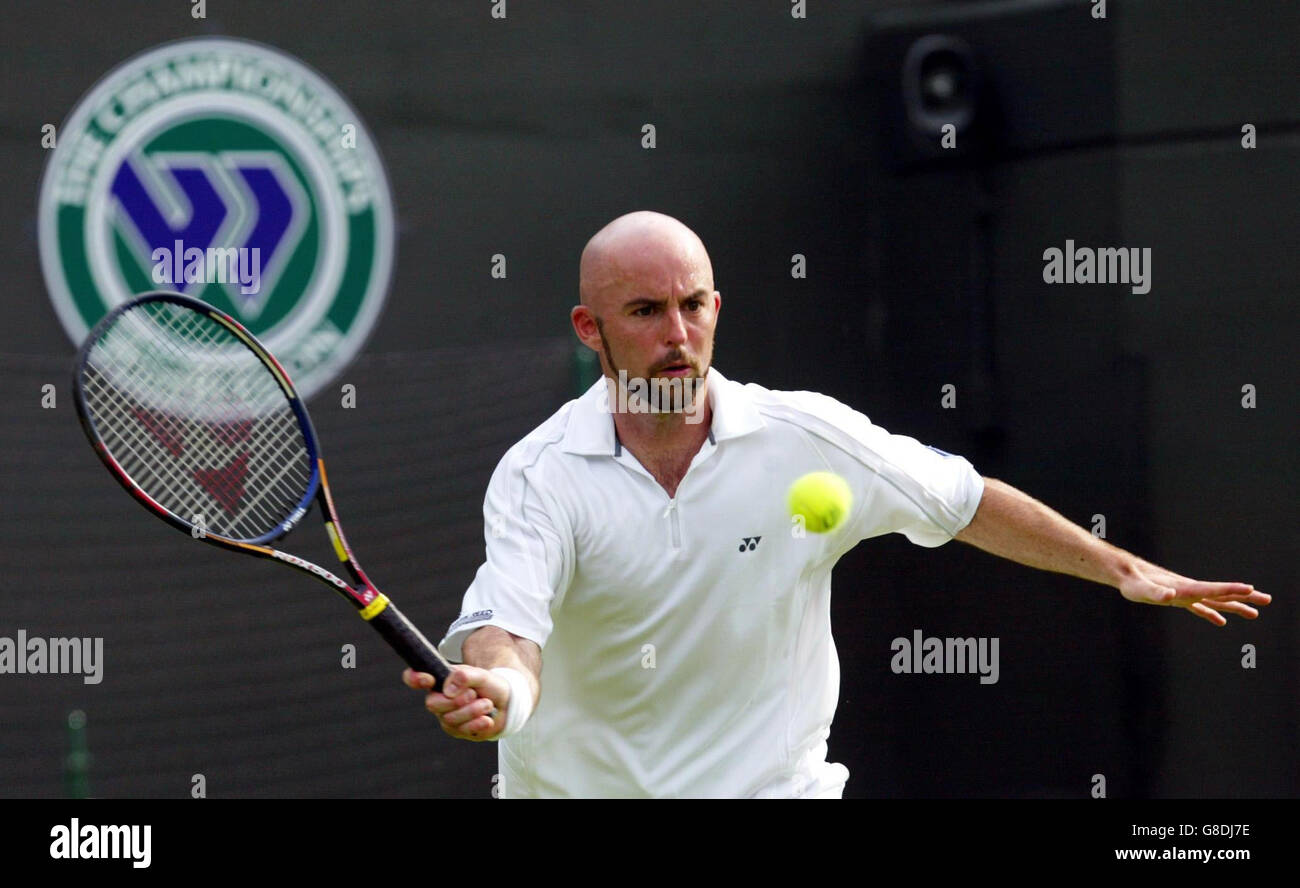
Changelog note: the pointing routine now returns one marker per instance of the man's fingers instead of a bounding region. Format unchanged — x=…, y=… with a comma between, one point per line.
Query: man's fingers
x=1203, y=611
x=1244, y=592
x=469, y=722
x=464, y=714
x=440, y=703
x=1208, y=600
x=1202, y=589
x=480, y=725
x=417, y=680
x=462, y=677
x=1236, y=605
x=1232, y=607
x=1155, y=594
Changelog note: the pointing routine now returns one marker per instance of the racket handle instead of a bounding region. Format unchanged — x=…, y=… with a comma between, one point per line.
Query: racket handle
x=408, y=641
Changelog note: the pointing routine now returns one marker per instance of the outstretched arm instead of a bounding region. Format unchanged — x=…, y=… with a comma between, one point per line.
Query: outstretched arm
x=1014, y=525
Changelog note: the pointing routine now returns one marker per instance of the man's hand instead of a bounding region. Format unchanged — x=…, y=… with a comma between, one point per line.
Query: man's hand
x=1147, y=583
x=465, y=704
x=1012, y=524
x=472, y=692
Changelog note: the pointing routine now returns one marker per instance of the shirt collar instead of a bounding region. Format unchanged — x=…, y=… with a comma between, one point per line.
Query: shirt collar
x=590, y=430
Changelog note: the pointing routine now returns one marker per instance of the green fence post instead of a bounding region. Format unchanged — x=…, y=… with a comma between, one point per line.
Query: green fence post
x=76, y=766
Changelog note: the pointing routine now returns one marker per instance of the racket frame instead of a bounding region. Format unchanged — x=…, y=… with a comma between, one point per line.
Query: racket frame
x=368, y=600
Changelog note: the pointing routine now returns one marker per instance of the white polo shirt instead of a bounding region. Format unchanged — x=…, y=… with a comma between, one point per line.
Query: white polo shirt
x=686, y=641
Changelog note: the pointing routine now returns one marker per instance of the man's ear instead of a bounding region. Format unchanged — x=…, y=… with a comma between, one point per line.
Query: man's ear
x=584, y=325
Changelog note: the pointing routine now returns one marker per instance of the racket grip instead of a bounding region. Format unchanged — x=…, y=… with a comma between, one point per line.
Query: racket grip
x=408, y=641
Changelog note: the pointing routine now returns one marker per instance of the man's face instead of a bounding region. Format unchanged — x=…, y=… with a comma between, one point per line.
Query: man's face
x=659, y=329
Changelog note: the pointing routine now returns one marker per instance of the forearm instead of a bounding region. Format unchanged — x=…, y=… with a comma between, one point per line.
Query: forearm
x=1011, y=524
x=490, y=647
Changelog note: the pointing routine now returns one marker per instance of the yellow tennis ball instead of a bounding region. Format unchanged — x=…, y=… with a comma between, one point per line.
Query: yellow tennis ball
x=822, y=498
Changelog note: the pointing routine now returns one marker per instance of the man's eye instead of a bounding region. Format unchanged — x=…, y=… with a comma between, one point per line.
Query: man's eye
x=695, y=305
x=644, y=311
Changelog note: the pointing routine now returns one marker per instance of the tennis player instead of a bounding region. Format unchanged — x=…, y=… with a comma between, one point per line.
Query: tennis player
x=648, y=559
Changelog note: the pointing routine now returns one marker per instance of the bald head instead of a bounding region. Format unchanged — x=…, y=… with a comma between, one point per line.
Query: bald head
x=645, y=252
x=648, y=307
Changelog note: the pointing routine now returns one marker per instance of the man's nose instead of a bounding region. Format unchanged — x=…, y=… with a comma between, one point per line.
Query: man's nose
x=676, y=331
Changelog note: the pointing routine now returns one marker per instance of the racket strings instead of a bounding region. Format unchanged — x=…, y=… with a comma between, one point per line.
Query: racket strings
x=136, y=457
x=220, y=477
x=196, y=420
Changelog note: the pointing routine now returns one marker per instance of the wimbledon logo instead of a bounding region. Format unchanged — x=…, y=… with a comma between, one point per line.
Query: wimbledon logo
x=228, y=171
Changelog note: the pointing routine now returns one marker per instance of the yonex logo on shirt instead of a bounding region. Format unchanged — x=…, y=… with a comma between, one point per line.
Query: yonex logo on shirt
x=749, y=544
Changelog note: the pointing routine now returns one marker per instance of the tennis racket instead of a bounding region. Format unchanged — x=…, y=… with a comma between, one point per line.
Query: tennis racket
x=200, y=423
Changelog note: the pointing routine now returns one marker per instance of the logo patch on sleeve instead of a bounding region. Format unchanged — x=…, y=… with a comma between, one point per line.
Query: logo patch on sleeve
x=475, y=617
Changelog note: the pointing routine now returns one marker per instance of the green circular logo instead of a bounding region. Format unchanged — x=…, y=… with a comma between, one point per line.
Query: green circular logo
x=231, y=172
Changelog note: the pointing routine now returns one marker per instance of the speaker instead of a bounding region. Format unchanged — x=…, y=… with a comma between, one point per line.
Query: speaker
x=970, y=83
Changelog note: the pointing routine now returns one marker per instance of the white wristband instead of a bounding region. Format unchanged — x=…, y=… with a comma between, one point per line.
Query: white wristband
x=520, y=706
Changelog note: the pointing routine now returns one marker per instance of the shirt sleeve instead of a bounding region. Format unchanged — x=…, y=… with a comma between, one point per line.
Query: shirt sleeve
x=926, y=494
x=528, y=562
x=899, y=484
